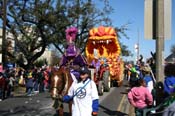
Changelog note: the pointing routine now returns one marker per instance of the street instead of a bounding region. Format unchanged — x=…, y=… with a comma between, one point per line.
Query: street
x=41, y=104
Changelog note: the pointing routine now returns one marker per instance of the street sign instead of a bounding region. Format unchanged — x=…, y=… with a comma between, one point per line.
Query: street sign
x=167, y=18
x=148, y=19
x=150, y=14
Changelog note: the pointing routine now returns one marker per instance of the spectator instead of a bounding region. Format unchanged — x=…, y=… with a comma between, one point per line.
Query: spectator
x=1, y=68
x=11, y=83
x=158, y=95
x=2, y=86
x=169, y=82
x=29, y=83
x=140, y=97
x=41, y=80
x=46, y=80
x=147, y=78
x=169, y=111
x=35, y=77
x=133, y=78
x=21, y=78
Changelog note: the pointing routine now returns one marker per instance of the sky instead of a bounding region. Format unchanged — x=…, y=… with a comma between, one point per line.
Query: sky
x=133, y=11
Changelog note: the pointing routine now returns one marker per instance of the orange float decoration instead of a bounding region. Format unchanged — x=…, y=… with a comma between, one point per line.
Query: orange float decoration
x=105, y=41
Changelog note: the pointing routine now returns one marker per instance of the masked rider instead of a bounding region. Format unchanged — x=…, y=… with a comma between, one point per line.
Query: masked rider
x=72, y=58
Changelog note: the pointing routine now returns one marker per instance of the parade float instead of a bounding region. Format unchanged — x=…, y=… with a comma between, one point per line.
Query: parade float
x=104, y=45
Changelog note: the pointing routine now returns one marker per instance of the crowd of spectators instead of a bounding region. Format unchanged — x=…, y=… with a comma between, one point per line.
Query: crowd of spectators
x=144, y=91
x=35, y=80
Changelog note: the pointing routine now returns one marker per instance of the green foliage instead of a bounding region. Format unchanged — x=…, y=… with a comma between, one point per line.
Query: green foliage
x=27, y=24
x=173, y=49
x=40, y=62
x=125, y=51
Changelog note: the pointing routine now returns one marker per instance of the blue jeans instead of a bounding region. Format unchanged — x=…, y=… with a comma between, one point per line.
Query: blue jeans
x=139, y=112
x=41, y=87
x=36, y=86
x=9, y=90
x=29, y=90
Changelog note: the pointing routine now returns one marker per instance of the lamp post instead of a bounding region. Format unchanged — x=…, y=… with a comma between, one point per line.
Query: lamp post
x=158, y=26
x=4, y=34
x=137, y=51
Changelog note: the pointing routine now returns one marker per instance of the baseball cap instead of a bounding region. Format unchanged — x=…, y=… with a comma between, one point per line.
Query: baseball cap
x=84, y=70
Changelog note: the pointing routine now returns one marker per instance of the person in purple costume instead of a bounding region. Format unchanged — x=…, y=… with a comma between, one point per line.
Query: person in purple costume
x=72, y=58
x=96, y=63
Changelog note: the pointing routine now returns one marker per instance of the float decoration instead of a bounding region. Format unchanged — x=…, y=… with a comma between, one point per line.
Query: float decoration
x=105, y=41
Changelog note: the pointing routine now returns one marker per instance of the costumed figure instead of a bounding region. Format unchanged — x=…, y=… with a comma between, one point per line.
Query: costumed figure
x=103, y=66
x=68, y=73
x=96, y=63
x=72, y=58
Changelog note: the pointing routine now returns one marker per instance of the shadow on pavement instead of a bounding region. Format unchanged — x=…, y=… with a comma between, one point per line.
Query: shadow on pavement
x=113, y=113
x=126, y=85
x=124, y=93
x=16, y=111
x=29, y=111
x=20, y=96
x=26, y=111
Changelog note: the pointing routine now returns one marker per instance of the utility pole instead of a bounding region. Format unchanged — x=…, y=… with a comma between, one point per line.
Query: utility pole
x=159, y=20
x=4, y=33
x=137, y=48
x=157, y=26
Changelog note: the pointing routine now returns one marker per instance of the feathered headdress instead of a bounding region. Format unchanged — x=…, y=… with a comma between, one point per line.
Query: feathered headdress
x=71, y=34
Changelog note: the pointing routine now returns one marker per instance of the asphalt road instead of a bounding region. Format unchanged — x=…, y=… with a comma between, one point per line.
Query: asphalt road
x=41, y=104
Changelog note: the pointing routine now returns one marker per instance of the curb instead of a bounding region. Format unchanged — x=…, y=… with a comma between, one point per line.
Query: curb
x=19, y=91
x=121, y=103
x=125, y=106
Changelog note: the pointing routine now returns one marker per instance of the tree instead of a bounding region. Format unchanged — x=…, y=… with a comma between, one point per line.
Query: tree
x=27, y=23
x=125, y=51
x=121, y=31
x=40, y=62
x=35, y=24
x=173, y=49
